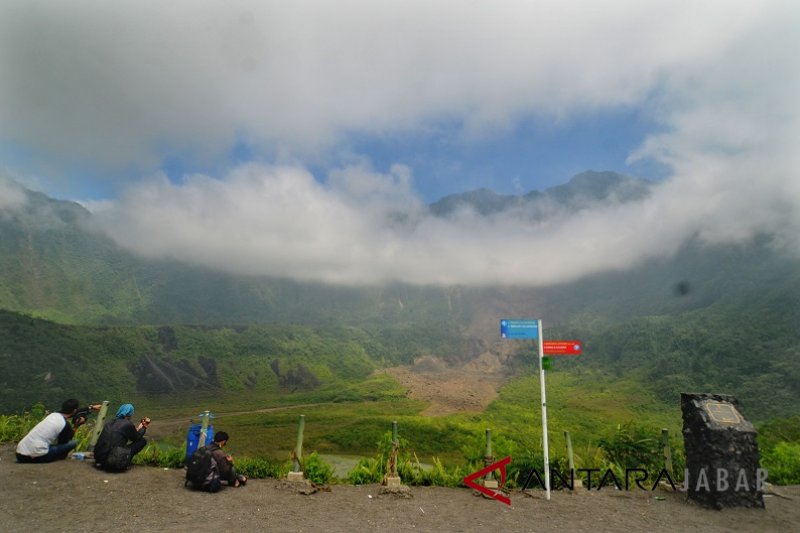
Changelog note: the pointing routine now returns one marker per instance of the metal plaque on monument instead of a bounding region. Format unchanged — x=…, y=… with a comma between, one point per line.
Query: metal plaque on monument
x=722, y=459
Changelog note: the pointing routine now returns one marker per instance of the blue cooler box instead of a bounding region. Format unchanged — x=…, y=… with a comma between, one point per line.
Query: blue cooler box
x=193, y=437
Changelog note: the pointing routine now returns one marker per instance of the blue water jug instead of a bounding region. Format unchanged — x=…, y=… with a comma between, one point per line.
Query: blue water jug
x=193, y=438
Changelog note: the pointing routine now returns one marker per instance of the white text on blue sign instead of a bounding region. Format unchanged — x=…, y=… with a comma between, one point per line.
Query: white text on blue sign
x=511, y=328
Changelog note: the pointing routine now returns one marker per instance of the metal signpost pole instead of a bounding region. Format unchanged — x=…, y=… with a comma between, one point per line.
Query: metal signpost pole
x=544, y=410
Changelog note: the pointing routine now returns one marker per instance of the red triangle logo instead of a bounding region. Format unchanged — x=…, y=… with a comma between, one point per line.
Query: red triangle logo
x=497, y=495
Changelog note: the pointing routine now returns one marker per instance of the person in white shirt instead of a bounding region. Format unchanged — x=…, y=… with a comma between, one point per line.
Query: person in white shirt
x=51, y=439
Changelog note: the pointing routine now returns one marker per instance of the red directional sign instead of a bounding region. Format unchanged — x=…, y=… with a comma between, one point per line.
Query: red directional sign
x=562, y=347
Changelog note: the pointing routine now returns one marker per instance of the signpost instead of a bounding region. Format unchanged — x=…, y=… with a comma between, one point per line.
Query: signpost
x=511, y=328
x=532, y=329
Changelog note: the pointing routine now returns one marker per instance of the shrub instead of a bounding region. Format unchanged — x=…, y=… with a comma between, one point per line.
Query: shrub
x=527, y=460
x=634, y=446
x=367, y=470
x=317, y=470
x=14, y=427
x=440, y=475
x=260, y=467
x=783, y=463
x=164, y=456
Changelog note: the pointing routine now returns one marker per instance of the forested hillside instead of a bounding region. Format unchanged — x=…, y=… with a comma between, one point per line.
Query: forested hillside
x=43, y=361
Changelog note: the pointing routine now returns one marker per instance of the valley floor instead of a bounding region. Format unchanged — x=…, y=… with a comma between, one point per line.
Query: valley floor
x=72, y=495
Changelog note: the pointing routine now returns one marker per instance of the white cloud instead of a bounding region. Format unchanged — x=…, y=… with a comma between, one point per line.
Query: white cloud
x=122, y=83
x=11, y=195
x=279, y=221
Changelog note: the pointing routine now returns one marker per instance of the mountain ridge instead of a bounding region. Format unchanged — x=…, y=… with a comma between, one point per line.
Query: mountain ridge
x=579, y=191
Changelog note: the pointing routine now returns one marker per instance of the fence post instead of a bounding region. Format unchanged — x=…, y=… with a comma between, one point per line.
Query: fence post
x=392, y=470
x=392, y=478
x=201, y=441
x=488, y=458
x=570, y=457
x=98, y=426
x=391, y=483
x=571, y=460
x=667, y=450
x=297, y=456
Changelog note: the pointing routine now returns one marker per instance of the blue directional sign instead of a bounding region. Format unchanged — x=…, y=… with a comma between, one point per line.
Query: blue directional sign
x=519, y=328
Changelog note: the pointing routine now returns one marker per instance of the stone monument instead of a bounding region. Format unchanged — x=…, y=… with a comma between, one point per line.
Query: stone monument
x=722, y=459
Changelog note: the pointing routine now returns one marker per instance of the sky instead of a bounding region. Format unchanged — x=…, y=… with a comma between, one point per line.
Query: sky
x=304, y=139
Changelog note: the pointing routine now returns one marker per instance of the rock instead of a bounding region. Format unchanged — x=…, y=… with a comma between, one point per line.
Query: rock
x=722, y=459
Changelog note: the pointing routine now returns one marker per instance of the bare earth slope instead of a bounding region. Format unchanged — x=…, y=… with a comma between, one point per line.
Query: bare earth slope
x=73, y=496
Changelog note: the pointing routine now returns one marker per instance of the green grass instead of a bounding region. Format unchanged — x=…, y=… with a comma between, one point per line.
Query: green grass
x=589, y=405
x=613, y=423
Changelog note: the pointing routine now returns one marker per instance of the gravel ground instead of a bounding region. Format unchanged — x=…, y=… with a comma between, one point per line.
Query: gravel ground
x=74, y=496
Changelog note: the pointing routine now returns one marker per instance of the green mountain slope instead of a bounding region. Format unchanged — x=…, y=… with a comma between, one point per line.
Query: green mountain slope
x=45, y=361
x=719, y=318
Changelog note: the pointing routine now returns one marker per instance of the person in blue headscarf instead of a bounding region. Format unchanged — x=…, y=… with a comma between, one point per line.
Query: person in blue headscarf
x=120, y=440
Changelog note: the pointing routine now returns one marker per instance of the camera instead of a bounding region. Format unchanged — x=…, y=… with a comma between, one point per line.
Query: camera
x=84, y=413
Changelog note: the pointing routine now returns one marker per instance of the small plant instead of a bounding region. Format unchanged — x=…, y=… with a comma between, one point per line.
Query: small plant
x=317, y=470
x=367, y=470
x=441, y=476
x=373, y=469
x=412, y=472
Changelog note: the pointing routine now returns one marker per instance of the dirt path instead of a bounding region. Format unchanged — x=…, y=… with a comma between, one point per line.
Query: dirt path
x=162, y=428
x=73, y=496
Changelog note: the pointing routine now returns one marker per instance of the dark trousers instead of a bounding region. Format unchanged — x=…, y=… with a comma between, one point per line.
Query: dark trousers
x=137, y=446
x=233, y=476
x=55, y=453
x=134, y=448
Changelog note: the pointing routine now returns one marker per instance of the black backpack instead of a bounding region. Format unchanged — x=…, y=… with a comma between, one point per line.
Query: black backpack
x=112, y=458
x=201, y=471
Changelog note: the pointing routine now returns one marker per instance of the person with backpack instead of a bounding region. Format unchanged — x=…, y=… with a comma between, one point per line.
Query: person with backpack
x=209, y=466
x=52, y=438
x=120, y=440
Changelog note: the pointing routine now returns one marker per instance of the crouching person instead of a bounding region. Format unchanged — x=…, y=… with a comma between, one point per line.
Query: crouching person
x=120, y=440
x=209, y=466
x=51, y=439
x=227, y=472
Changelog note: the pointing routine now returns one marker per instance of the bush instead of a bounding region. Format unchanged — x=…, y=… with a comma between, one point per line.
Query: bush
x=317, y=470
x=412, y=473
x=14, y=427
x=528, y=460
x=634, y=446
x=160, y=455
x=367, y=470
x=260, y=468
x=783, y=463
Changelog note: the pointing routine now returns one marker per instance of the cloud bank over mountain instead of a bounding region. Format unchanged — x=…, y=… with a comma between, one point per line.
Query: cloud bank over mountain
x=280, y=221
x=125, y=83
